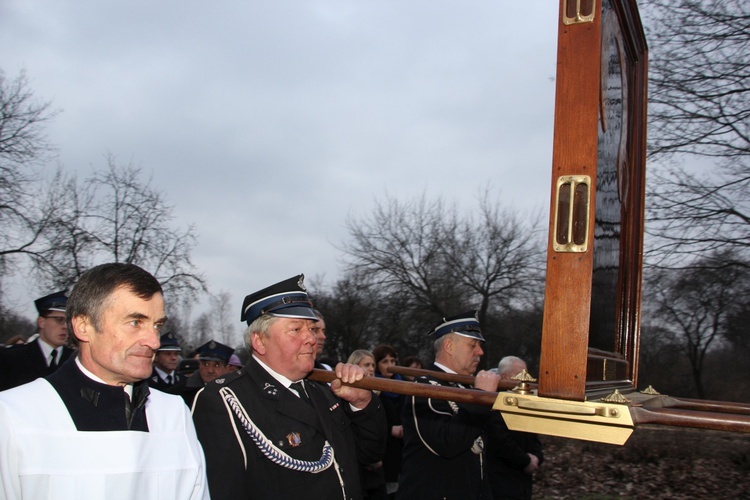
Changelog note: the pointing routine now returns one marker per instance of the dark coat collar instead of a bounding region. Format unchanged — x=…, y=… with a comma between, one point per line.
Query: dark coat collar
x=94, y=406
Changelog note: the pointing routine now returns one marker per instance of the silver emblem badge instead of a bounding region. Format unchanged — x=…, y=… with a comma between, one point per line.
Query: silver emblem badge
x=294, y=439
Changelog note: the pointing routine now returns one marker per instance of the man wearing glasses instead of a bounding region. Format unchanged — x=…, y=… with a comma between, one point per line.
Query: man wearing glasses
x=41, y=356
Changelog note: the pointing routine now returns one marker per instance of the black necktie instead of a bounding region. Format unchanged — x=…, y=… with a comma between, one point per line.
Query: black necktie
x=128, y=410
x=169, y=379
x=53, y=359
x=297, y=386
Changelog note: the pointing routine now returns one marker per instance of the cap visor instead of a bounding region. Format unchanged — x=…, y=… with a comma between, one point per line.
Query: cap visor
x=472, y=335
x=294, y=312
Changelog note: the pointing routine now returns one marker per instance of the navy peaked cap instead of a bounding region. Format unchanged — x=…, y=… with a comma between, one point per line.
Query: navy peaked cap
x=215, y=351
x=465, y=324
x=287, y=299
x=169, y=343
x=52, y=302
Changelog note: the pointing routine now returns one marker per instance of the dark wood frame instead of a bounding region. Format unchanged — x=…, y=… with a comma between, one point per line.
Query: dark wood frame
x=569, y=368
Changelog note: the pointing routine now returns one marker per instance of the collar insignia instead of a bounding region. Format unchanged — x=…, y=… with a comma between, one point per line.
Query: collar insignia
x=270, y=389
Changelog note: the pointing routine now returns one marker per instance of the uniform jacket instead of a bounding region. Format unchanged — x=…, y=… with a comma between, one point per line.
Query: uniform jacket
x=507, y=456
x=236, y=465
x=443, y=455
x=188, y=387
x=24, y=363
x=68, y=437
x=157, y=382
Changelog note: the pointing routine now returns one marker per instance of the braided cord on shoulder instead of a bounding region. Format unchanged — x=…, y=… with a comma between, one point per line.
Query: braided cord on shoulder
x=268, y=449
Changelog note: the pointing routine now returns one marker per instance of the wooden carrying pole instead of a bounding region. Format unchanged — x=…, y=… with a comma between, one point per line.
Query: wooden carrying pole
x=503, y=385
x=472, y=396
x=642, y=413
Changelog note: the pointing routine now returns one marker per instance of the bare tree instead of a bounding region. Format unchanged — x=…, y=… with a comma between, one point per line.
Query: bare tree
x=360, y=316
x=412, y=263
x=201, y=329
x=699, y=107
x=22, y=117
x=497, y=257
x=23, y=146
x=400, y=247
x=224, y=319
x=693, y=307
x=694, y=215
x=114, y=216
x=441, y=262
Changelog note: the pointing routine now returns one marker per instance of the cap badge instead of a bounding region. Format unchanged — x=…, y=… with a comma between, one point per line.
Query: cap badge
x=300, y=282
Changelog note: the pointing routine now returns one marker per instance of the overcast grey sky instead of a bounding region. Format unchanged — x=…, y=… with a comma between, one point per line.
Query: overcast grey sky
x=268, y=123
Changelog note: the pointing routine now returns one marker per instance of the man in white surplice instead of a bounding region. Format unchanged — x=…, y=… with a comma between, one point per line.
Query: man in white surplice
x=93, y=429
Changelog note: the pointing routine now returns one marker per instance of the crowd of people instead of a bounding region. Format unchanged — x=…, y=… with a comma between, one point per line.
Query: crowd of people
x=97, y=406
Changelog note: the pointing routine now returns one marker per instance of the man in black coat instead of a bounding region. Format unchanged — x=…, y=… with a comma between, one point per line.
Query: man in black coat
x=443, y=454
x=40, y=357
x=164, y=375
x=512, y=456
x=213, y=362
x=266, y=431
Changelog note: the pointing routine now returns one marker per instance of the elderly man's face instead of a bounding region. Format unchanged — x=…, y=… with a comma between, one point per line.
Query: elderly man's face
x=465, y=354
x=122, y=351
x=289, y=347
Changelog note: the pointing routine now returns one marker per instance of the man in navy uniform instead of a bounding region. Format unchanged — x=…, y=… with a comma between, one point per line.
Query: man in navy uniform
x=213, y=360
x=267, y=432
x=443, y=453
x=512, y=456
x=40, y=357
x=93, y=429
x=164, y=375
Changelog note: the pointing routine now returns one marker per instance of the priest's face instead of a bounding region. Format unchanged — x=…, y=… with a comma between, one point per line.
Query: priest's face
x=122, y=351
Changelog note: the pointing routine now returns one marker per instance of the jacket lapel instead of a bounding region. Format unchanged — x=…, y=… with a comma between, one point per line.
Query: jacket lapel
x=285, y=402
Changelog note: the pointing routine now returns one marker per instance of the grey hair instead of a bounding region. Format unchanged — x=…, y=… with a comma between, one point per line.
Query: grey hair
x=438, y=345
x=260, y=325
x=507, y=363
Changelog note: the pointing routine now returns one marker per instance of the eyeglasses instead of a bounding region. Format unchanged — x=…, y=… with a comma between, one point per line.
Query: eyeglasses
x=60, y=320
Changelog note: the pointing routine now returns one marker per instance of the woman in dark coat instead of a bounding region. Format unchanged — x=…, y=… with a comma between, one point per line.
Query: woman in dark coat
x=386, y=356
